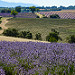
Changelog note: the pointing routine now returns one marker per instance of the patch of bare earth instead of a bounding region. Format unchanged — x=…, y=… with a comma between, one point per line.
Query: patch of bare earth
x=13, y=39
x=2, y=25
x=5, y=38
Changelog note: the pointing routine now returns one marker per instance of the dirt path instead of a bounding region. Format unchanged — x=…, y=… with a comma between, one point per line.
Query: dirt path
x=5, y=38
x=13, y=39
x=4, y=21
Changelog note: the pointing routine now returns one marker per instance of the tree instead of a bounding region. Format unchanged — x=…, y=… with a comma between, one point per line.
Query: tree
x=33, y=8
x=53, y=36
x=38, y=36
x=55, y=16
x=71, y=39
x=37, y=9
x=14, y=13
x=18, y=9
x=6, y=11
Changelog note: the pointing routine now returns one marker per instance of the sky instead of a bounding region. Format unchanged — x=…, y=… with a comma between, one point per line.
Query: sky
x=45, y=2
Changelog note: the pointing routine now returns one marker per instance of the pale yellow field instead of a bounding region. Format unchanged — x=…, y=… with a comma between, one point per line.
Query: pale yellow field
x=5, y=38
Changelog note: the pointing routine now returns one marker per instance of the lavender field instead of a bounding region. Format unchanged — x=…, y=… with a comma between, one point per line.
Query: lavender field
x=36, y=58
x=20, y=15
x=63, y=15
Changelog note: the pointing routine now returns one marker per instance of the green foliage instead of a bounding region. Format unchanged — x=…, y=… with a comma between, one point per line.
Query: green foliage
x=6, y=11
x=33, y=8
x=9, y=69
x=14, y=33
x=36, y=73
x=47, y=71
x=37, y=17
x=0, y=17
x=63, y=70
x=22, y=34
x=29, y=35
x=25, y=64
x=25, y=34
x=14, y=13
x=18, y=9
x=53, y=36
x=0, y=28
x=54, y=16
x=52, y=39
x=11, y=32
x=0, y=22
x=71, y=39
x=44, y=17
x=38, y=36
x=37, y=9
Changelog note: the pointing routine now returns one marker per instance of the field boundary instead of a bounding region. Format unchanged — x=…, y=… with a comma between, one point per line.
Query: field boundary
x=14, y=39
x=3, y=23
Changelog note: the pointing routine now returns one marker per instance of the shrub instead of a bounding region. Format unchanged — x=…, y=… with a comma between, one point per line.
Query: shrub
x=29, y=35
x=25, y=34
x=37, y=17
x=38, y=36
x=0, y=28
x=71, y=39
x=0, y=17
x=14, y=13
x=53, y=36
x=45, y=17
x=11, y=32
x=53, y=39
x=54, y=16
x=0, y=22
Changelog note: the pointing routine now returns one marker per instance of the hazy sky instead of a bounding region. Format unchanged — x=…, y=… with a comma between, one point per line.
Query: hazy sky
x=45, y=2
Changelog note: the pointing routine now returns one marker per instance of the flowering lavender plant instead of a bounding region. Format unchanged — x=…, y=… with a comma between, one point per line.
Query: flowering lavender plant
x=27, y=58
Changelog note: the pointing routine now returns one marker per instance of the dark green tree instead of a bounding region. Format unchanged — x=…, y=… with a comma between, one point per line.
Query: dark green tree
x=37, y=9
x=55, y=16
x=53, y=36
x=38, y=36
x=18, y=9
x=71, y=39
x=14, y=13
x=33, y=9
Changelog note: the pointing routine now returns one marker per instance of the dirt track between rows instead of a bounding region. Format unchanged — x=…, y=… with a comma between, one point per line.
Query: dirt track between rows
x=3, y=23
x=5, y=38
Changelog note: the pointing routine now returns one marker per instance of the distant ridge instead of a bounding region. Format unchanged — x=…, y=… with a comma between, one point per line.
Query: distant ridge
x=9, y=4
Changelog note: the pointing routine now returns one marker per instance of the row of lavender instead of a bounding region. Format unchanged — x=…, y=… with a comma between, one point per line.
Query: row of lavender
x=22, y=15
x=40, y=55
x=63, y=15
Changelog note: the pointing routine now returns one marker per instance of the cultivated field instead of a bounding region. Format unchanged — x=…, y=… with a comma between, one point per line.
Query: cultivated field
x=22, y=15
x=66, y=27
x=20, y=56
x=31, y=58
x=63, y=14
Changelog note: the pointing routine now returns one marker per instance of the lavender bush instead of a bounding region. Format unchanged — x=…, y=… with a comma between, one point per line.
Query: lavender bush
x=21, y=15
x=63, y=15
x=36, y=58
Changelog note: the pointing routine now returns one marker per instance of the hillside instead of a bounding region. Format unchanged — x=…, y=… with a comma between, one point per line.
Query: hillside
x=66, y=27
